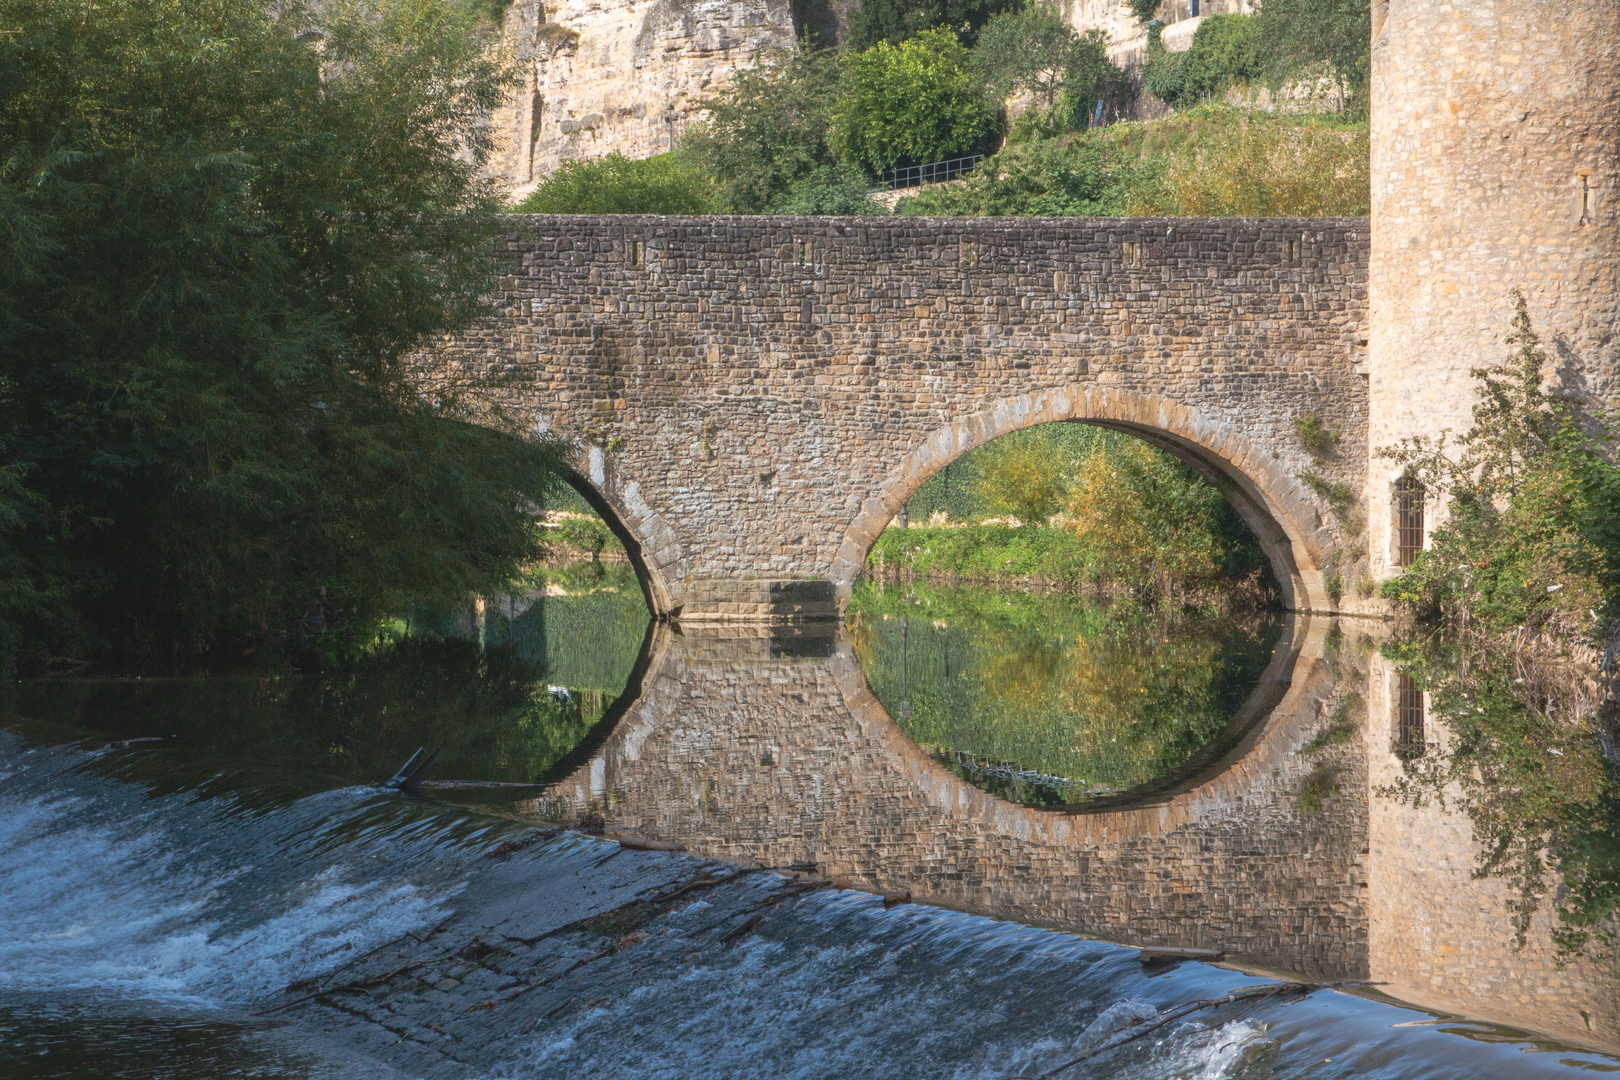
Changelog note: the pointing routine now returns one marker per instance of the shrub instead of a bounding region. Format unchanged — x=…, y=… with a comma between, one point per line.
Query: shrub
x=766, y=139
x=1078, y=176
x=1534, y=506
x=1315, y=436
x=615, y=184
x=1226, y=49
x=1220, y=162
x=916, y=101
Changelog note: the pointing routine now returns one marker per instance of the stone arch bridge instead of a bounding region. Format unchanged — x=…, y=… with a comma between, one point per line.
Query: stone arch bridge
x=755, y=398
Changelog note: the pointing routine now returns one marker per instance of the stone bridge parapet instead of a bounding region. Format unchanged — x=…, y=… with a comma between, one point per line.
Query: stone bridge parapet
x=755, y=397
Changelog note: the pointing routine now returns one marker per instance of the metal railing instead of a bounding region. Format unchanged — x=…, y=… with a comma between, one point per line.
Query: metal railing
x=932, y=173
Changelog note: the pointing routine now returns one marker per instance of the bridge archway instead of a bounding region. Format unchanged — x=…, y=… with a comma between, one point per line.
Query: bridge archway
x=649, y=542
x=1275, y=505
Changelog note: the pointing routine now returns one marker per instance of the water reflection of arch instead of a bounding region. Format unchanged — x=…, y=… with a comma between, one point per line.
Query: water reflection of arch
x=1261, y=735
x=1274, y=504
x=749, y=745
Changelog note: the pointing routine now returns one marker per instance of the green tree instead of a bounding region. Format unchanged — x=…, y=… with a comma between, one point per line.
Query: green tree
x=1023, y=480
x=1226, y=49
x=1028, y=50
x=225, y=228
x=893, y=21
x=1311, y=39
x=916, y=101
x=665, y=184
x=767, y=140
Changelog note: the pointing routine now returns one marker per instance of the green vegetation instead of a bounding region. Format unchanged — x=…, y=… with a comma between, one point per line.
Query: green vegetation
x=1315, y=437
x=917, y=101
x=767, y=141
x=1533, y=498
x=1515, y=605
x=1309, y=41
x=1226, y=50
x=1132, y=518
x=665, y=184
x=891, y=22
x=1035, y=50
x=1211, y=161
x=224, y=226
x=1105, y=697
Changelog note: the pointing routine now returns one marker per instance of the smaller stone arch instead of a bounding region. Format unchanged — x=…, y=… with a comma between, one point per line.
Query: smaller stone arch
x=650, y=542
x=1276, y=506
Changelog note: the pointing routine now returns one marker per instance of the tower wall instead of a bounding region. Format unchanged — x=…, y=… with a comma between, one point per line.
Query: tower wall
x=1495, y=164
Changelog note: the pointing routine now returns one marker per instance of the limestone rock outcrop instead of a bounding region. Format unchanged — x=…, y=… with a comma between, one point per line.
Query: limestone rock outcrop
x=626, y=75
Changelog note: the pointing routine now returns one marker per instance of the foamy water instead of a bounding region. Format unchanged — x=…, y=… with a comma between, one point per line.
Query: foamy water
x=144, y=922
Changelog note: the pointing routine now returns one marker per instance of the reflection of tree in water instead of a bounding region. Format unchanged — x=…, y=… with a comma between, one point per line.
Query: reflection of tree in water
x=1516, y=747
x=1111, y=695
x=490, y=708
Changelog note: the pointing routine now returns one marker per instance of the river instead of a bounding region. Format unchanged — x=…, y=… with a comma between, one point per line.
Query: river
x=201, y=878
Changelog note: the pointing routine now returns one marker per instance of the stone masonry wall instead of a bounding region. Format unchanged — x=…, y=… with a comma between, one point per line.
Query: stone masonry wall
x=621, y=75
x=1495, y=165
x=756, y=397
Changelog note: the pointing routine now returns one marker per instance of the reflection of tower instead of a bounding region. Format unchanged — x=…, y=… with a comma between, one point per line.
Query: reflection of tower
x=1495, y=165
x=1437, y=935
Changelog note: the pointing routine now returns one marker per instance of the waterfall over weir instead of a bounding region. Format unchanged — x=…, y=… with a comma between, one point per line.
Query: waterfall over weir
x=163, y=918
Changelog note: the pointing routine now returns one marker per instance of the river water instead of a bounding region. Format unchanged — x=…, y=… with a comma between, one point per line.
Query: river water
x=202, y=879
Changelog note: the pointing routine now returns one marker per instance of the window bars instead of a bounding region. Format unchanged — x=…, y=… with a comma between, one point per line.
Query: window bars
x=1409, y=737
x=1409, y=497
x=932, y=173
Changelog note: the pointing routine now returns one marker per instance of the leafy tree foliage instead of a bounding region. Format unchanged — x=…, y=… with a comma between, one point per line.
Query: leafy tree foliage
x=1026, y=50
x=917, y=101
x=768, y=140
x=1024, y=481
x=1153, y=522
x=1533, y=499
x=1309, y=39
x=1078, y=177
x=224, y=228
x=893, y=21
x=1226, y=49
x=1035, y=50
x=665, y=184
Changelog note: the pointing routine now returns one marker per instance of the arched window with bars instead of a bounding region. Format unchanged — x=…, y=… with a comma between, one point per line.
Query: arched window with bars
x=1409, y=499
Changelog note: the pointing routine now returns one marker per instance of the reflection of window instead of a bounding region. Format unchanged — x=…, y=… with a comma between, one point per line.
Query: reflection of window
x=1408, y=717
x=1408, y=520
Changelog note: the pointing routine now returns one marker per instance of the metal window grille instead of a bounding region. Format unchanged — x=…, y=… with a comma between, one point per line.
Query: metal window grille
x=1409, y=739
x=1408, y=520
x=932, y=173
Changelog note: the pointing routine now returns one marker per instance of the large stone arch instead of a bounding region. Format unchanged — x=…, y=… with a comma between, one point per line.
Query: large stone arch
x=1272, y=502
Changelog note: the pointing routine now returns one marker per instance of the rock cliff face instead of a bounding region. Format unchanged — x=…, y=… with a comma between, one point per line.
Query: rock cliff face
x=625, y=75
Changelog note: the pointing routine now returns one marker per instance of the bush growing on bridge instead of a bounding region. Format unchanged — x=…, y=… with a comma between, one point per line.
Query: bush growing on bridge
x=615, y=184
x=224, y=226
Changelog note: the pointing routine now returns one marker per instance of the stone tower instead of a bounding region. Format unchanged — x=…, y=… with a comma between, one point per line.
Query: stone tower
x=1495, y=164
